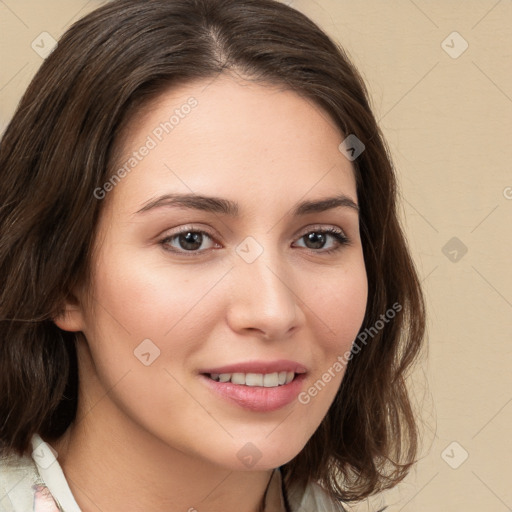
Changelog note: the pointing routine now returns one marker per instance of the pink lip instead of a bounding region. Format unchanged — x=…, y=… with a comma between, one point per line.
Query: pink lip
x=256, y=398
x=281, y=365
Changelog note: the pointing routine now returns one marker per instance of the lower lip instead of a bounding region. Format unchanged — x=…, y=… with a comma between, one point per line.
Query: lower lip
x=257, y=398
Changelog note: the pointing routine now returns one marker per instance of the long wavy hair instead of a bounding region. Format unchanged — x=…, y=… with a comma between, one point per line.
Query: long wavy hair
x=59, y=148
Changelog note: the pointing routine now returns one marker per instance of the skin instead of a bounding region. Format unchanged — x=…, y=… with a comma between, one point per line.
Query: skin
x=156, y=434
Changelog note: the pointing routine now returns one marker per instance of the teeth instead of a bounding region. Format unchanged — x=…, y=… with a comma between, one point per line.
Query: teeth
x=270, y=380
x=267, y=380
x=254, y=379
x=238, y=378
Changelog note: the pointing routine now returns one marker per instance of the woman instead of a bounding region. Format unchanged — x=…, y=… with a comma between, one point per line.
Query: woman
x=207, y=300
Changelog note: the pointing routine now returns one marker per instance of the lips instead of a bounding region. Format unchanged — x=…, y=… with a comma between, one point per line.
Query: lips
x=252, y=395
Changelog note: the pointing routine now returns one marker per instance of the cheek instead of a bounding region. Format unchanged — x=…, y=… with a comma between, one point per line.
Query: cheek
x=136, y=301
x=143, y=307
x=149, y=298
x=342, y=306
x=335, y=313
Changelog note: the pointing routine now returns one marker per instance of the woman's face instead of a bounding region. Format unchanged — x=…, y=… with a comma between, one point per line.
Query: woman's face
x=241, y=272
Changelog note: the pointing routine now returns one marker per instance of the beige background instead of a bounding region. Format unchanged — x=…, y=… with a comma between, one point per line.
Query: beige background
x=448, y=121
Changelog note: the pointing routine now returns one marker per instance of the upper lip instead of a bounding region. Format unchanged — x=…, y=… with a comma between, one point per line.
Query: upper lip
x=281, y=365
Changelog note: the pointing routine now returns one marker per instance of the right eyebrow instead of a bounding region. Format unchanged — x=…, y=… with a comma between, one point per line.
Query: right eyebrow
x=193, y=201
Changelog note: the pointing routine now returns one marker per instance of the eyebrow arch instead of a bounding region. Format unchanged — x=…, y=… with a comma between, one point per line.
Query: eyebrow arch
x=231, y=208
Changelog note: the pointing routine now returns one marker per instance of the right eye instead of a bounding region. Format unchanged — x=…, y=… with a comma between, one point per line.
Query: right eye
x=187, y=241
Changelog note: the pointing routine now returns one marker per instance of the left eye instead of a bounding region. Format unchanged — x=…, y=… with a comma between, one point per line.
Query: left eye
x=191, y=241
x=320, y=236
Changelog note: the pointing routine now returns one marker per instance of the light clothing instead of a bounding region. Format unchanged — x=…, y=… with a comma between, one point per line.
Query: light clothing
x=37, y=483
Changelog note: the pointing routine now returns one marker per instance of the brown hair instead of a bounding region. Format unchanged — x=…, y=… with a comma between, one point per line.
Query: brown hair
x=58, y=149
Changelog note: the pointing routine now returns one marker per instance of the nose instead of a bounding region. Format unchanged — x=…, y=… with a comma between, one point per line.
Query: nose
x=263, y=298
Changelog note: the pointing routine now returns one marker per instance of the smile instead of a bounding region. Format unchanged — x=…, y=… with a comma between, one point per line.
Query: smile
x=256, y=392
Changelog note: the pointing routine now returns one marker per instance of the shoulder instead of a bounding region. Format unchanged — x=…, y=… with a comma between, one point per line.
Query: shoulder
x=315, y=498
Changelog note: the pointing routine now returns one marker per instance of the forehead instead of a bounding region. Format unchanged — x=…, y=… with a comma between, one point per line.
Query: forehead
x=232, y=138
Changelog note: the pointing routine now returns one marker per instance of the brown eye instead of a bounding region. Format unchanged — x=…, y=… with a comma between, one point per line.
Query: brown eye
x=186, y=241
x=318, y=238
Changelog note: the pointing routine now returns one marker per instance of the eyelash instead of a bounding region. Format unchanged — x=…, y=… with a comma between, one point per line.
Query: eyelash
x=340, y=237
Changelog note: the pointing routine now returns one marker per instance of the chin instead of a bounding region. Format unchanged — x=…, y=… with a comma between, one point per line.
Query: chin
x=260, y=454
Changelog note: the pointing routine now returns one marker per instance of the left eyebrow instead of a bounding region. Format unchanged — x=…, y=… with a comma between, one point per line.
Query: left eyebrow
x=231, y=208
x=323, y=205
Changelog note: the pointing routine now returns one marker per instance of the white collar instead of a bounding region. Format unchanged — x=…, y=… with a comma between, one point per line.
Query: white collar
x=50, y=471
